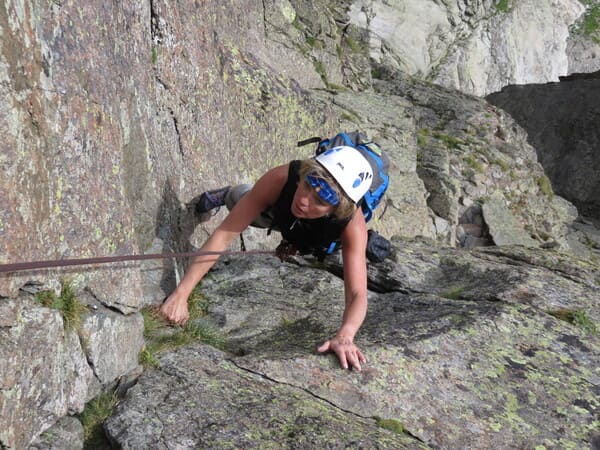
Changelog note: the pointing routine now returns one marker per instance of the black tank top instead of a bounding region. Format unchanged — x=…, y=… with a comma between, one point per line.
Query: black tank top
x=308, y=235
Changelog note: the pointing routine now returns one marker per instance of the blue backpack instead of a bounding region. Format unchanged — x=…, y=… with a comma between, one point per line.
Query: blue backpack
x=379, y=161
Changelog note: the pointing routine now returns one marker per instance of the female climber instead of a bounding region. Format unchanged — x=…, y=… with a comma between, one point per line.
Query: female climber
x=312, y=203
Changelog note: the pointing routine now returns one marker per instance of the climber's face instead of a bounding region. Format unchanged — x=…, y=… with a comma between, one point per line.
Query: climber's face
x=307, y=204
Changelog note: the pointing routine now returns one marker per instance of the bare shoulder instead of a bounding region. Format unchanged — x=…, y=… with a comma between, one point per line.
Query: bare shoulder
x=278, y=174
x=269, y=186
x=355, y=233
x=275, y=178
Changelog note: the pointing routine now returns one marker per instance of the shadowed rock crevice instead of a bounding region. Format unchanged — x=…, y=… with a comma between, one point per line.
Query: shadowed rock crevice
x=177, y=133
x=561, y=122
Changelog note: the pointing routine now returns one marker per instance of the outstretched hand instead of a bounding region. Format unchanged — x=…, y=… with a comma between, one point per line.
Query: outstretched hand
x=348, y=353
x=175, y=309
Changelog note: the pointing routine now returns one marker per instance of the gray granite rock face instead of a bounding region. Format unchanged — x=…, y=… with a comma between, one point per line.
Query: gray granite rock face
x=179, y=406
x=462, y=347
x=475, y=47
x=468, y=152
x=49, y=372
x=131, y=119
x=44, y=373
x=503, y=227
x=66, y=434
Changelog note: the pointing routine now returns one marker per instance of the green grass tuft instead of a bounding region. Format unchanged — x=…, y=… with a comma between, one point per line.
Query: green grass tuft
x=376, y=73
x=354, y=46
x=197, y=305
x=320, y=69
x=147, y=358
x=449, y=141
x=70, y=308
x=161, y=337
x=297, y=24
x=473, y=163
x=423, y=136
x=314, y=43
x=504, y=166
x=93, y=416
x=153, y=321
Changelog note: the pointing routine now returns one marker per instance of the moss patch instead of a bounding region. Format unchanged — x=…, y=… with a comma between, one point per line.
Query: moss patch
x=393, y=425
x=453, y=293
x=545, y=186
x=503, y=6
x=575, y=317
x=591, y=21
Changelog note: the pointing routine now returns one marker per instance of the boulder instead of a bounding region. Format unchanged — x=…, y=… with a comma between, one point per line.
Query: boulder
x=50, y=371
x=503, y=226
x=66, y=434
x=44, y=373
x=112, y=343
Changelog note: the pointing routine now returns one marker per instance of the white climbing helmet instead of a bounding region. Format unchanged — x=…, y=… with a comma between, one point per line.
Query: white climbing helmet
x=349, y=168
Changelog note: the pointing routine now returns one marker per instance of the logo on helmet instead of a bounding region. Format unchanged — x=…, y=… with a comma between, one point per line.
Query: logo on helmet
x=361, y=177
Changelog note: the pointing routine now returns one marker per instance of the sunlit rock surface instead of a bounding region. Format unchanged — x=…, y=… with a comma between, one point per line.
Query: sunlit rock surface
x=464, y=350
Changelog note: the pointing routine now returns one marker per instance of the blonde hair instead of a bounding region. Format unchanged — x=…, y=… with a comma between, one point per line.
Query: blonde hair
x=346, y=208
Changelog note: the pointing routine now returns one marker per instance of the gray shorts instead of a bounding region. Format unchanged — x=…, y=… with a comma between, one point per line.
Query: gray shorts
x=264, y=220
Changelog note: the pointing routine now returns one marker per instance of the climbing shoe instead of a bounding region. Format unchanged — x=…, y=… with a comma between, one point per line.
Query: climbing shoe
x=211, y=200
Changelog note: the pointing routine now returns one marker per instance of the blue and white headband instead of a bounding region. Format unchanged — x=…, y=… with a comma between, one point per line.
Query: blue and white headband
x=323, y=189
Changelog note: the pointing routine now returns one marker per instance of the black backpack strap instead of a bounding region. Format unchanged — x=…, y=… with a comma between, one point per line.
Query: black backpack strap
x=311, y=140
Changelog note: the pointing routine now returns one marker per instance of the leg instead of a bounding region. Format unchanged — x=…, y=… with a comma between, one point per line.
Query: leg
x=236, y=193
x=229, y=196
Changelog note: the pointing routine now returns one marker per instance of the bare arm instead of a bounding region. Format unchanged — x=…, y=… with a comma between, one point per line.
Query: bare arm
x=354, y=243
x=264, y=194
